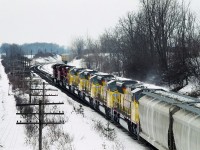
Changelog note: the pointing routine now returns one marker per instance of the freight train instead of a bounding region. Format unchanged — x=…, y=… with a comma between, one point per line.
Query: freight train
x=166, y=120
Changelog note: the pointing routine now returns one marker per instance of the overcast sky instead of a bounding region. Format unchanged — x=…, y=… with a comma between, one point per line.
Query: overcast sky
x=60, y=21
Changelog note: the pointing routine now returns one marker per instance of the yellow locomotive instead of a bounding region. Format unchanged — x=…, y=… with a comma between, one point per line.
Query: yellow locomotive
x=167, y=120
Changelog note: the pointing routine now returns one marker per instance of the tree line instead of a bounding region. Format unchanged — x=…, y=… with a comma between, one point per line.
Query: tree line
x=34, y=48
x=159, y=43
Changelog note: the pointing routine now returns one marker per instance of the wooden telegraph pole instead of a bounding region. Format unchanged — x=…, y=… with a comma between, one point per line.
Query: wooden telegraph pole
x=41, y=112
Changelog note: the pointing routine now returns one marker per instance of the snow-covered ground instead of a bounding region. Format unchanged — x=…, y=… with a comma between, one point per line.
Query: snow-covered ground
x=193, y=86
x=46, y=60
x=82, y=128
x=12, y=136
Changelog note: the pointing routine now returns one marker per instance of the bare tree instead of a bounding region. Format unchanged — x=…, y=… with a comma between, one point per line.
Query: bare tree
x=159, y=43
x=92, y=54
x=162, y=19
x=78, y=46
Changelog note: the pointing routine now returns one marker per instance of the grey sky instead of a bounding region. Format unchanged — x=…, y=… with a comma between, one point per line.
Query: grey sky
x=59, y=21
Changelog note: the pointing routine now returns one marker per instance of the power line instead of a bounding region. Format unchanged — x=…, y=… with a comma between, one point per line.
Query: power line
x=41, y=112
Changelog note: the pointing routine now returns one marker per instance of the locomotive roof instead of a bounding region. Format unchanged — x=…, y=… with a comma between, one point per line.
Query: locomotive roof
x=89, y=72
x=104, y=77
x=86, y=72
x=111, y=82
x=97, y=78
x=78, y=69
x=68, y=66
x=101, y=74
x=123, y=79
x=64, y=65
x=126, y=83
x=54, y=65
x=137, y=89
x=112, y=85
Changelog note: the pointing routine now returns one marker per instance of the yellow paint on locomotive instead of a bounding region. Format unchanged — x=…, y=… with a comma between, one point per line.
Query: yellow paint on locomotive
x=135, y=112
x=126, y=104
x=81, y=85
x=96, y=91
x=118, y=101
x=111, y=98
x=93, y=90
x=103, y=94
x=76, y=80
x=70, y=79
x=87, y=86
x=84, y=85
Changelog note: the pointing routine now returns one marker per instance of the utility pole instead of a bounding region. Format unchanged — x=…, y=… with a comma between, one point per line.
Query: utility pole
x=40, y=125
x=41, y=112
x=30, y=85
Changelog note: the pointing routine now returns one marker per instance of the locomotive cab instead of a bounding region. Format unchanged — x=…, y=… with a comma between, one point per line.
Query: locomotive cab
x=99, y=91
x=99, y=82
x=74, y=80
x=55, y=72
x=74, y=76
x=84, y=76
x=123, y=99
x=62, y=74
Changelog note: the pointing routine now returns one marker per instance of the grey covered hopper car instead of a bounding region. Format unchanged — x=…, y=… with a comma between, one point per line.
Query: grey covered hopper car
x=170, y=121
